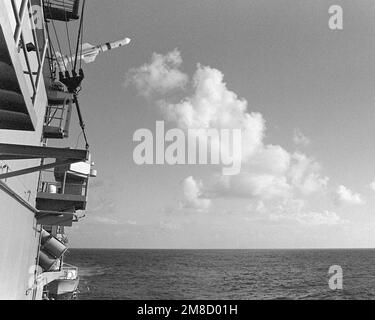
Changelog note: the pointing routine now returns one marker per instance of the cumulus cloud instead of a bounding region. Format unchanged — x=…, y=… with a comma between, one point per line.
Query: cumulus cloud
x=161, y=75
x=193, y=199
x=305, y=174
x=346, y=196
x=213, y=105
x=310, y=218
x=300, y=139
x=106, y=220
x=294, y=210
x=113, y=221
x=251, y=185
x=372, y=185
x=270, y=159
x=268, y=171
x=256, y=207
x=272, y=173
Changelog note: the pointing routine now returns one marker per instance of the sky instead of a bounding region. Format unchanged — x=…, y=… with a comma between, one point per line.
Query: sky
x=302, y=95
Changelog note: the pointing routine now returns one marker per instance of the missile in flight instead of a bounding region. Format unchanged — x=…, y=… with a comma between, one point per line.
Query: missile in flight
x=89, y=52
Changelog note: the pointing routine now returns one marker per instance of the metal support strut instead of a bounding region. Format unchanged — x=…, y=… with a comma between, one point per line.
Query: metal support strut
x=22, y=152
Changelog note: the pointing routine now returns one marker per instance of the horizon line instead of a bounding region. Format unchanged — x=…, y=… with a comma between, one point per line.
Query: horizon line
x=190, y=249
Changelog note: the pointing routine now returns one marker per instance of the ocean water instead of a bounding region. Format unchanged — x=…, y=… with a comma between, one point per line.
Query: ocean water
x=222, y=274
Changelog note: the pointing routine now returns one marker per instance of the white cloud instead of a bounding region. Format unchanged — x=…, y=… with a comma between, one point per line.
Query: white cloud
x=251, y=185
x=305, y=174
x=107, y=221
x=320, y=218
x=346, y=196
x=268, y=171
x=272, y=173
x=269, y=159
x=161, y=75
x=311, y=218
x=257, y=207
x=113, y=221
x=169, y=225
x=295, y=210
x=372, y=185
x=192, y=191
x=300, y=139
x=212, y=105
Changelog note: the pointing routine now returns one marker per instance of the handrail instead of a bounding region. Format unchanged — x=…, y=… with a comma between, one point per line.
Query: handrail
x=62, y=4
x=58, y=113
x=69, y=269
x=19, y=40
x=44, y=185
x=70, y=6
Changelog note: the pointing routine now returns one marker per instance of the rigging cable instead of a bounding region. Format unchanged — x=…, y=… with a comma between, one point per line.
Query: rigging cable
x=68, y=36
x=81, y=123
x=82, y=17
x=52, y=52
x=57, y=39
x=79, y=38
x=52, y=49
x=79, y=50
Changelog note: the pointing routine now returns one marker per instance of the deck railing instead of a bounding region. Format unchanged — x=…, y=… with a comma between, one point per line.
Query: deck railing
x=20, y=14
x=55, y=116
x=70, y=6
x=48, y=184
x=70, y=272
x=63, y=10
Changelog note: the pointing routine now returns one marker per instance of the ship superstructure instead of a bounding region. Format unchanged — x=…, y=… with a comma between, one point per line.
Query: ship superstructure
x=43, y=184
